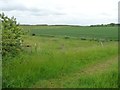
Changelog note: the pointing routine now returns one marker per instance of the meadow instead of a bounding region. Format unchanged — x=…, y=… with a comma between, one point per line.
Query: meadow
x=65, y=57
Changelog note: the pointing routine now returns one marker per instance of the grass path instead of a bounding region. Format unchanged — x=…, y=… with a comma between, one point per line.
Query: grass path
x=73, y=78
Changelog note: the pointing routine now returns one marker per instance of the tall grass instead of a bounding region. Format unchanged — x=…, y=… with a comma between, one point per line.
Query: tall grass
x=51, y=62
x=107, y=79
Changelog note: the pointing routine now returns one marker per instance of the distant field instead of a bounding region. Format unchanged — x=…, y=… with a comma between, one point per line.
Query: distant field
x=108, y=33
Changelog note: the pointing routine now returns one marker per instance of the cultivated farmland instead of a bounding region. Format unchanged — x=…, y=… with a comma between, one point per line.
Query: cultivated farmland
x=108, y=32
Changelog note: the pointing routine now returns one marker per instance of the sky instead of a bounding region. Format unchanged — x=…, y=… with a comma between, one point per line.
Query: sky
x=69, y=12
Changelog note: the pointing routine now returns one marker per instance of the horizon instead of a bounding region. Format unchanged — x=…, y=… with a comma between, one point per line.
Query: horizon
x=66, y=24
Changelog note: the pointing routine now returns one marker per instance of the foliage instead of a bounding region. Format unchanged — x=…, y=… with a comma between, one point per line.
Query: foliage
x=11, y=36
x=67, y=37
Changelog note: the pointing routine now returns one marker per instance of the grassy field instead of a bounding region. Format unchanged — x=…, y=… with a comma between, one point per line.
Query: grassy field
x=59, y=62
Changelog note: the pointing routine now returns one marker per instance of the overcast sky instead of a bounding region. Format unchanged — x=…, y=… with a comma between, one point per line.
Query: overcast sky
x=75, y=12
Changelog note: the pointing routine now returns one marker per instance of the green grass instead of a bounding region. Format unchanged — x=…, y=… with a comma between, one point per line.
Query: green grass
x=57, y=57
x=99, y=75
x=108, y=79
x=97, y=78
x=108, y=33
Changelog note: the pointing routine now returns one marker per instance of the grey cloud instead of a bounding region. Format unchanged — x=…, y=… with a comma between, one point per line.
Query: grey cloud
x=46, y=12
x=11, y=8
x=11, y=5
x=15, y=6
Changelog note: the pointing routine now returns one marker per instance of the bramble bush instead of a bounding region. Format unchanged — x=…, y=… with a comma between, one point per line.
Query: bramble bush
x=11, y=36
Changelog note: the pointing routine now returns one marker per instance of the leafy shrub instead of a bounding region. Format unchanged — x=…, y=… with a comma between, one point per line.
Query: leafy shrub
x=33, y=34
x=83, y=38
x=67, y=37
x=11, y=35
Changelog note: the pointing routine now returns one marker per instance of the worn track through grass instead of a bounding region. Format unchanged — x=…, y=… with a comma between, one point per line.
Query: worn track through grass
x=90, y=70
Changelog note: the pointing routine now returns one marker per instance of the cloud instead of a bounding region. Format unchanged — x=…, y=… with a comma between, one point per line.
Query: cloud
x=6, y=5
x=20, y=7
x=81, y=12
x=46, y=12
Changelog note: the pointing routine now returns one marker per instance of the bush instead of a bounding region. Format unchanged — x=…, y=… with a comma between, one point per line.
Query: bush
x=11, y=36
x=67, y=37
x=83, y=38
x=33, y=34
